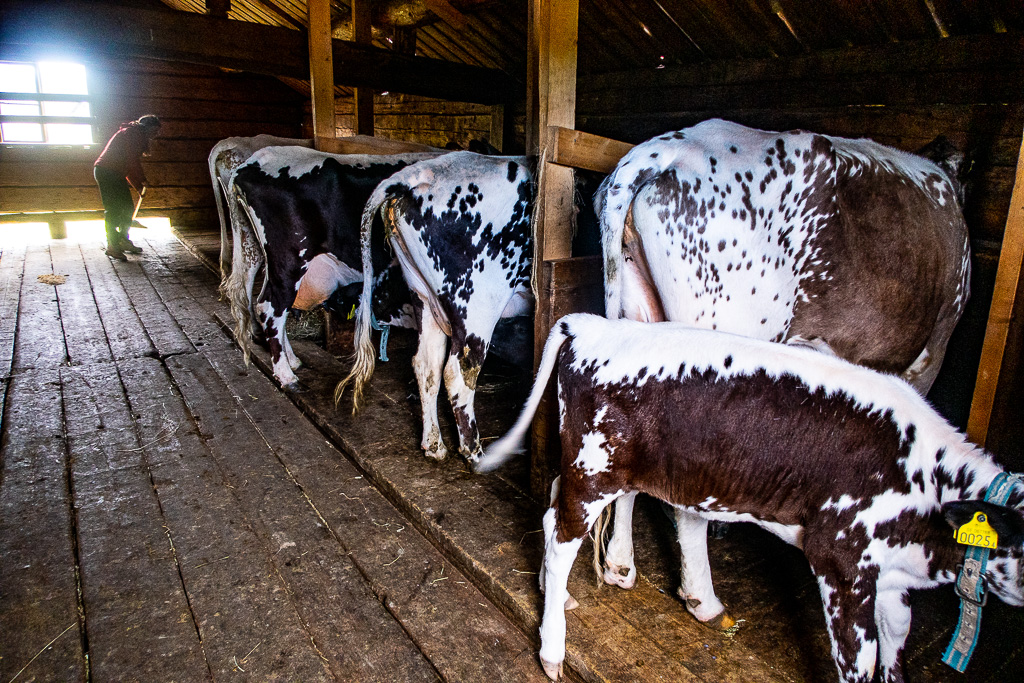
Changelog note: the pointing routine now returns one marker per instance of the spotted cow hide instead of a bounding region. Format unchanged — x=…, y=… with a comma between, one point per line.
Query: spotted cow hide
x=304, y=204
x=460, y=227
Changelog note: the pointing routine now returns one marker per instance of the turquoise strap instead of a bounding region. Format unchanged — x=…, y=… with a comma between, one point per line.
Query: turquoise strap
x=384, y=330
x=970, y=585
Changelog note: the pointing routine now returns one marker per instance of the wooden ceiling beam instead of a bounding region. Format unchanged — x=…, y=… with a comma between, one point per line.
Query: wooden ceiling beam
x=83, y=28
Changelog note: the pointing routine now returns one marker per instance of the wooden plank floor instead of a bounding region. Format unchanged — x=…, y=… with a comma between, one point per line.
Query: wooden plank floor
x=167, y=514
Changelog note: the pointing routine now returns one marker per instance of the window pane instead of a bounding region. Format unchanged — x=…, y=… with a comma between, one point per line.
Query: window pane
x=17, y=77
x=21, y=132
x=62, y=77
x=19, y=108
x=65, y=108
x=69, y=133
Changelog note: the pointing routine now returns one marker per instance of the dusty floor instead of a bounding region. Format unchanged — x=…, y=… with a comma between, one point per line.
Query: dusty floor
x=168, y=514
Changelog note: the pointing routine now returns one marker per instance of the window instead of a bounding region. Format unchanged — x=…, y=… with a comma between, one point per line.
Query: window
x=44, y=103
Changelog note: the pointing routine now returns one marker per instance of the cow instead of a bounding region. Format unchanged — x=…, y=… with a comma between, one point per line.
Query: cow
x=850, y=465
x=460, y=228
x=304, y=207
x=226, y=156
x=847, y=246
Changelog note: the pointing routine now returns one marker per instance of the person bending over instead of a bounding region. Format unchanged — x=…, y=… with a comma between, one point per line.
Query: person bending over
x=120, y=164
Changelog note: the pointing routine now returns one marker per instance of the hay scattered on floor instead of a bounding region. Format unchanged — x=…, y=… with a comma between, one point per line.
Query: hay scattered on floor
x=52, y=279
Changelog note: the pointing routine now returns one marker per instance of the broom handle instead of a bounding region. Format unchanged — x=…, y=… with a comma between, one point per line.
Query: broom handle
x=139, y=203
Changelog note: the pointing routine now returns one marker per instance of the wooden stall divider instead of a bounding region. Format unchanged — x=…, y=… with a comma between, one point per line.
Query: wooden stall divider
x=1001, y=313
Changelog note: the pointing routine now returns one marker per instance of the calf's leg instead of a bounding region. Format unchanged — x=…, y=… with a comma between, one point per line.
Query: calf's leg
x=892, y=618
x=619, y=569
x=558, y=561
x=697, y=589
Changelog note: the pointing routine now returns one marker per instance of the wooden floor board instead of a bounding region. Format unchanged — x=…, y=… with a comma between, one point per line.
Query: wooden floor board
x=422, y=589
x=236, y=594
x=137, y=615
x=39, y=592
x=359, y=638
x=167, y=337
x=12, y=269
x=83, y=331
x=40, y=339
x=126, y=336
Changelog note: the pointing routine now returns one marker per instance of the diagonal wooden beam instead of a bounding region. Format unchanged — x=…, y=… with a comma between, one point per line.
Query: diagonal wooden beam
x=79, y=29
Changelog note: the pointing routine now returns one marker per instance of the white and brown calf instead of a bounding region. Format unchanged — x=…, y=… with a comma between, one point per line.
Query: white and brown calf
x=850, y=465
x=847, y=246
x=460, y=228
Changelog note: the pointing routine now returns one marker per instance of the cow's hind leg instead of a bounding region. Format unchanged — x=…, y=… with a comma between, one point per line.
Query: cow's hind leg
x=460, y=377
x=697, y=589
x=427, y=364
x=619, y=569
x=277, y=343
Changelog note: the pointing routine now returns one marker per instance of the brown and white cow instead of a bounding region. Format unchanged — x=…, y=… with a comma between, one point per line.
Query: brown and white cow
x=848, y=464
x=845, y=245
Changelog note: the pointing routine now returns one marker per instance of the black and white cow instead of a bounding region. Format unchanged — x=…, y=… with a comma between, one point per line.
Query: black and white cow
x=226, y=156
x=845, y=245
x=460, y=228
x=305, y=206
x=850, y=465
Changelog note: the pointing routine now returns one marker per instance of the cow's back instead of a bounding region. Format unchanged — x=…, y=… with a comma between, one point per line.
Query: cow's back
x=772, y=235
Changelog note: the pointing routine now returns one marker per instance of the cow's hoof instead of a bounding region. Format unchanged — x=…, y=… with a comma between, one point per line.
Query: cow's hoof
x=552, y=669
x=474, y=457
x=620, y=575
x=571, y=604
x=722, y=621
x=295, y=387
x=438, y=452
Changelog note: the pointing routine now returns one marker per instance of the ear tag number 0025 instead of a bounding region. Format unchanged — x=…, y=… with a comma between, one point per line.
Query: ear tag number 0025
x=977, y=532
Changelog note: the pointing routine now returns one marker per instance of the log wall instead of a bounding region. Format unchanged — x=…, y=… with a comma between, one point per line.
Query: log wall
x=419, y=119
x=903, y=95
x=198, y=107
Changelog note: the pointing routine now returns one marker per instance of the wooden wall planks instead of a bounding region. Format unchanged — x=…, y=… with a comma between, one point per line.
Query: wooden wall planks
x=198, y=107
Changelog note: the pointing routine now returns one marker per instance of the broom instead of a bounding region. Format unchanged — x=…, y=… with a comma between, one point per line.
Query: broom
x=135, y=223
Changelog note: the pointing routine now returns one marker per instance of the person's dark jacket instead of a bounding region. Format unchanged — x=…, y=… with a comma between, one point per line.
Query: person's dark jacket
x=124, y=151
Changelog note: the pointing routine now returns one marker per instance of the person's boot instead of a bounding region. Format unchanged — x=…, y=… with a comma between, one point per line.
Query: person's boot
x=127, y=245
x=114, y=249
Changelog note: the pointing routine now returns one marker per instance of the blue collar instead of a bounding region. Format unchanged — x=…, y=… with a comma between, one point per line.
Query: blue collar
x=970, y=584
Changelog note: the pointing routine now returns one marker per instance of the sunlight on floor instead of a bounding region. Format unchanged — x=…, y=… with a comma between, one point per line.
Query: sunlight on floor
x=32, y=234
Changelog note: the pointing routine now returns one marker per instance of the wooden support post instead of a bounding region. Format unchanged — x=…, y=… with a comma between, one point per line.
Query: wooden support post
x=362, y=34
x=1001, y=313
x=554, y=26
x=58, y=228
x=321, y=68
x=497, y=138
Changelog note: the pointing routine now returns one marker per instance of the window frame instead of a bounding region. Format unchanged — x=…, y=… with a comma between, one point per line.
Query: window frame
x=38, y=98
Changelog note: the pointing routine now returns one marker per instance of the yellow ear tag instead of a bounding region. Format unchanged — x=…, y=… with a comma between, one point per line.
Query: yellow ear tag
x=352, y=313
x=977, y=532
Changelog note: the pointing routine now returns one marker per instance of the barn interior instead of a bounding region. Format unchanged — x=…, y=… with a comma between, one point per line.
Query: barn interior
x=135, y=541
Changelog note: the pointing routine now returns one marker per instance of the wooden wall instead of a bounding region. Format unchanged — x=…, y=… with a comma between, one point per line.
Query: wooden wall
x=969, y=89
x=198, y=107
x=418, y=119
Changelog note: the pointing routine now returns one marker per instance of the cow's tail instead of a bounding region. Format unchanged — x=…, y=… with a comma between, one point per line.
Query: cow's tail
x=364, y=360
x=236, y=288
x=219, y=197
x=613, y=203
x=499, y=452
